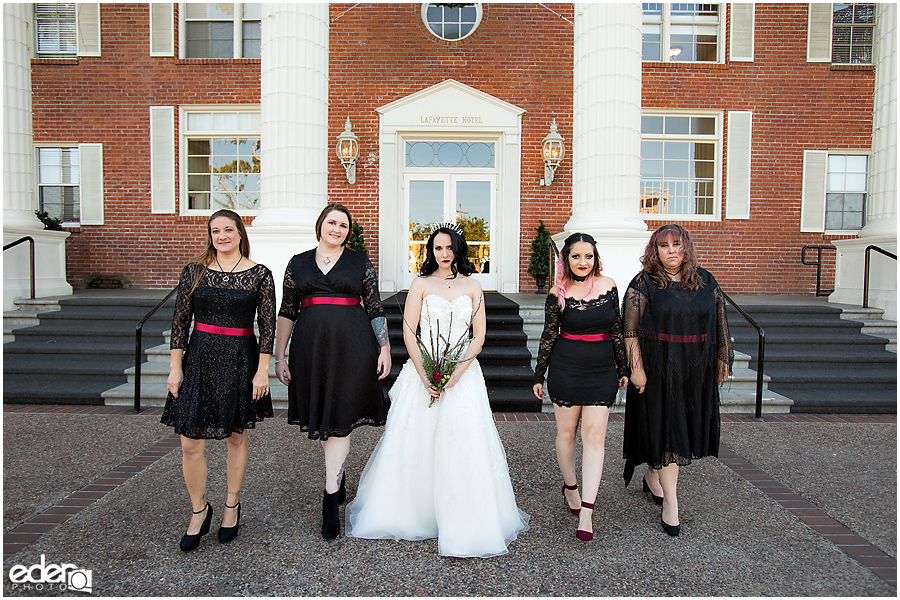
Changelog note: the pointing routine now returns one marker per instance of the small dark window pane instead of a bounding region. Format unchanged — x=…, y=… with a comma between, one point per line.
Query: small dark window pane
x=677, y=125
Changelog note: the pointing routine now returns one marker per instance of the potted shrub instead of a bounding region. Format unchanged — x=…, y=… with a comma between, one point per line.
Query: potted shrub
x=539, y=268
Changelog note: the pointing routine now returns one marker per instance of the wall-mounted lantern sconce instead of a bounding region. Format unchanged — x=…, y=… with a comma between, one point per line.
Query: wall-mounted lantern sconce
x=552, y=151
x=348, y=151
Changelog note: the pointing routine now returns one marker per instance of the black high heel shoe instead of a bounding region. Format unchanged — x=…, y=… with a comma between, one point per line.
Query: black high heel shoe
x=672, y=530
x=331, y=522
x=574, y=511
x=227, y=534
x=342, y=491
x=191, y=541
x=657, y=499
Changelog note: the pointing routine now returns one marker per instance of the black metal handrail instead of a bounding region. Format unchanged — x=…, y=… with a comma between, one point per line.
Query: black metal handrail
x=30, y=241
x=818, y=265
x=760, y=360
x=138, y=334
x=866, y=276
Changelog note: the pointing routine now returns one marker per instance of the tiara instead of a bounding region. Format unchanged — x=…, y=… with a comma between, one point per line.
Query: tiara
x=450, y=226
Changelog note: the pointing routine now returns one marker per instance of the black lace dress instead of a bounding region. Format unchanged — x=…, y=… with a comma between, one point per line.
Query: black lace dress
x=216, y=397
x=334, y=353
x=683, y=342
x=582, y=373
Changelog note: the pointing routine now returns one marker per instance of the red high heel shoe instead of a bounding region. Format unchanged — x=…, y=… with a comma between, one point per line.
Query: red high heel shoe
x=574, y=511
x=581, y=534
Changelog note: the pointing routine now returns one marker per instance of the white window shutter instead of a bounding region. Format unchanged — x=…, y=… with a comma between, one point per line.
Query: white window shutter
x=812, y=201
x=737, y=185
x=818, y=34
x=87, y=24
x=743, y=30
x=162, y=159
x=162, y=29
x=90, y=194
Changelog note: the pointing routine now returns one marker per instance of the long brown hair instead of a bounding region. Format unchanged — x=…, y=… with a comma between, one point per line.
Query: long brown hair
x=650, y=261
x=341, y=209
x=564, y=274
x=202, y=261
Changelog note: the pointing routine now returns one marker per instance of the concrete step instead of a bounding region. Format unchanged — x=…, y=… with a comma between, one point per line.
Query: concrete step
x=155, y=394
x=26, y=315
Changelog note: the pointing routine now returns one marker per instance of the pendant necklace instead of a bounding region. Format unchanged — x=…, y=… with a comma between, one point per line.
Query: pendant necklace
x=673, y=276
x=225, y=278
x=449, y=283
x=325, y=260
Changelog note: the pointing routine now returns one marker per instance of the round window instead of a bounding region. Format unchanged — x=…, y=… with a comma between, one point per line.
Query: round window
x=451, y=21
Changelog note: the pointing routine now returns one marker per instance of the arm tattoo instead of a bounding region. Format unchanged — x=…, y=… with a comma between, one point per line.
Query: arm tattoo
x=379, y=325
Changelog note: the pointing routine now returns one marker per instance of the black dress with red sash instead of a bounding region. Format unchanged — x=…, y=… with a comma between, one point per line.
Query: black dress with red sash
x=221, y=355
x=333, y=356
x=683, y=340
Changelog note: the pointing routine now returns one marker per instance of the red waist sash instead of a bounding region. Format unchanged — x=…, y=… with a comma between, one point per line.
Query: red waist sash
x=587, y=337
x=329, y=300
x=679, y=339
x=223, y=330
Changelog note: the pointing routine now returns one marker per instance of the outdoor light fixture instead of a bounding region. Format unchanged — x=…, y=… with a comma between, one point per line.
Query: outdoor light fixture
x=348, y=151
x=552, y=151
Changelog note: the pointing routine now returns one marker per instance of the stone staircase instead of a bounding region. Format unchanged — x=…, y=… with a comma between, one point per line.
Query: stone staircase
x=71, y=350
x=827, y=358
x=737, y=396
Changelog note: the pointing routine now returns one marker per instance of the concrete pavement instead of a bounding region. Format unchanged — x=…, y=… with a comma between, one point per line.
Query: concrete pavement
x=796, y=505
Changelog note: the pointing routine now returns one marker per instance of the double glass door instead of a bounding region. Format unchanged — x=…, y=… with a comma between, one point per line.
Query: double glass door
x=467, y=200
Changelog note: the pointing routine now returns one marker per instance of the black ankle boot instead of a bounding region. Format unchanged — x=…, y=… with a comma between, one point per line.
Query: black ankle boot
x=342, y=491
x=331, y=522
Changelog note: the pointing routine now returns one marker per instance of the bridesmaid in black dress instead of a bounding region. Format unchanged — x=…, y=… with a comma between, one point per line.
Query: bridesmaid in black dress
x=583, y=346
x=339, y=349
x=219, y=380
x=680, y=351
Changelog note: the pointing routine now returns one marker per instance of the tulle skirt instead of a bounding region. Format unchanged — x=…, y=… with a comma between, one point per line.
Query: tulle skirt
x=439, y=472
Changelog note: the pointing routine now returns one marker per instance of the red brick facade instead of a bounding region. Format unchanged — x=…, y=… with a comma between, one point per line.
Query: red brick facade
x=522, y=54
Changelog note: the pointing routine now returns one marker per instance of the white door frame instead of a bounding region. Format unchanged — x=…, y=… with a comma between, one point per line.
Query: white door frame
x=449, y=110
x=488, y=280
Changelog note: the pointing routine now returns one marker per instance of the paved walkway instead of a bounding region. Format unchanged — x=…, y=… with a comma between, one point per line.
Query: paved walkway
x=796, y=505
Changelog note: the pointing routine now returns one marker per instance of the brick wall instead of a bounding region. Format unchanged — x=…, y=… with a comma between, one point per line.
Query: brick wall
x=522, y=54
x=107, y=100
x=796, y=106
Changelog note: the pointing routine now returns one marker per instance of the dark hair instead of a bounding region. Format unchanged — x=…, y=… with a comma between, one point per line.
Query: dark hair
x=650, y=261
x=205, y=258
x=322, y=215
x=460, y=264
x=564, y=274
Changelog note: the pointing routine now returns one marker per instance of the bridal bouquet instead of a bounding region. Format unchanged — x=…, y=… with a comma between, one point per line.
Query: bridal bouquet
x=440, y=356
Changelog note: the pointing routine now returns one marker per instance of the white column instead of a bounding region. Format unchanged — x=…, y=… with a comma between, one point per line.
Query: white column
x=607, y=135
x=881, y=209
x=19, y=197
x=294, y=135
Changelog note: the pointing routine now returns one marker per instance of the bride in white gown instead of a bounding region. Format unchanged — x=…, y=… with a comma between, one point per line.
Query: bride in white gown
x=440, y=471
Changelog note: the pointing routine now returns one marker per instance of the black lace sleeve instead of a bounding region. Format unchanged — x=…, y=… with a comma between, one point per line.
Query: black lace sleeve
x=548, y=336
x=371, y=298
x=724, y=351
x=265, y=313
x=290, y=303
x=618, y=339
x=184, y=310
x=634, y=305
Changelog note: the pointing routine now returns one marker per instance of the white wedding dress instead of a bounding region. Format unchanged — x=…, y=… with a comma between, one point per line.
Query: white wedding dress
x=439, y=471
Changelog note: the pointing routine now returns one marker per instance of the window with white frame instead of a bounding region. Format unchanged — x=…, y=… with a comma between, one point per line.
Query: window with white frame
x=55, y=26
x=846, y=192
x=680, y=165
x=221, y=30
x=451, y=21
x=681, y=32
x=58, y=183
x=853, y=33
x=222, y=160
